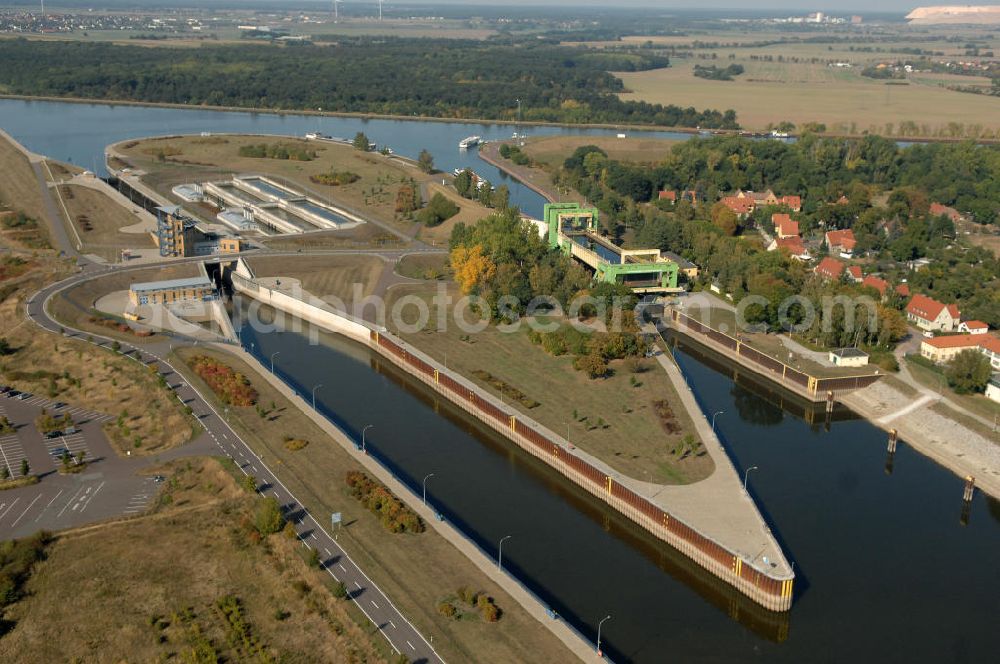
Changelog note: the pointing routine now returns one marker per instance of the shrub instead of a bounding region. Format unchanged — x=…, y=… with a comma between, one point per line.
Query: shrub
x=230, y=386
x=268, y=518
x=593, y=365
x=447, y=609
x=439, y=209
x=392, y=513
x=335, y=178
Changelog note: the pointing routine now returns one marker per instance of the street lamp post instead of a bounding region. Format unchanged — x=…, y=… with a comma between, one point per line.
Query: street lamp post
x=500, y=556
x=314, y=394
x=714, y=415
x=599, y=653
x=746, y=475
x=429, y=475
x=273, y=355
x=364, y=446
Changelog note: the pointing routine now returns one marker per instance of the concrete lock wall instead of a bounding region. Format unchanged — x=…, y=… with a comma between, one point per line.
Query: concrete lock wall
x=773, y=593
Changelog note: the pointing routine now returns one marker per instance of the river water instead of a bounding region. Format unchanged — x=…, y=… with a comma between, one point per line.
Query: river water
x=78, y=133
x=890, y=567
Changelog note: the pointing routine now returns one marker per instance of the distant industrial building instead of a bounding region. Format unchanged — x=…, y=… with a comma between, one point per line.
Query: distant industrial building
x=172, y=290
x=178, y=235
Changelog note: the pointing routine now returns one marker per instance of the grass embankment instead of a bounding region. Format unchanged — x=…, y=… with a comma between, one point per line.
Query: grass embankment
x=423, y=266
x=187, y=582
x=98, y=221
x=324, y=276
x=20, y=193
x=199, y=158
x=416, y=571
x=933, y=378
x=469, y=212
x=632, y=421
x=74, y=371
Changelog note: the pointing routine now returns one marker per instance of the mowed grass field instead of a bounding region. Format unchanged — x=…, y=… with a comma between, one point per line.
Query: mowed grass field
x=199, y=158
x=98, y=221
x=146, y=589
x=771, y=92
x=325, y=276
x=615, y=417
x=552, y=151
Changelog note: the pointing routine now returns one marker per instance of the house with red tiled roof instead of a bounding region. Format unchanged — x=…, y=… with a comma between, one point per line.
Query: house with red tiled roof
x=743, y=207
x=843, y=200
x=903, y=290
x=877, y=283
x=854, y=273
x=668, y=196
x=938, y=210
x=841, y=242
x=793, y=245
x=794, y=203
x=784, y=225
x=929, y=314
x=973, y=327
x=830, y=268
x=989, y=345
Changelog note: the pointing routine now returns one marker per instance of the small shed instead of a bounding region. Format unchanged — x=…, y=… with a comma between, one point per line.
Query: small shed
x=849, y=357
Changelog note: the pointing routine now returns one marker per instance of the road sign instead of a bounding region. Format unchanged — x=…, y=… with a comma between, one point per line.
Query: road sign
x=335, y=518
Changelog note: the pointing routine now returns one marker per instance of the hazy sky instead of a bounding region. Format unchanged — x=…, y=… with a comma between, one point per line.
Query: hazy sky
x=790, y=6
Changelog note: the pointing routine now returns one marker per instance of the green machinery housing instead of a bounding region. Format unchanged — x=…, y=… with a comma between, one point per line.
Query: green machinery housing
x=572, y=229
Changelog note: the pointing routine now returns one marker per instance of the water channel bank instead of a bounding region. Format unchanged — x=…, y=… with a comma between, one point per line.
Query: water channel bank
x=725, y=535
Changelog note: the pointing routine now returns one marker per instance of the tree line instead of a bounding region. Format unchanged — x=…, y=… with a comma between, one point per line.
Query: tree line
x=402, y=76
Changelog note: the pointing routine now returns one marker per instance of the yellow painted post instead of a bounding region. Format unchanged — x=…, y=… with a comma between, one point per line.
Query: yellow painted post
x=738, y=344
x=376, y=338
x=784, y=368
x=436, y=377
x=609, y=485
x=666, y=519
x=513, y=423
x=737, y=565
x=812, y=384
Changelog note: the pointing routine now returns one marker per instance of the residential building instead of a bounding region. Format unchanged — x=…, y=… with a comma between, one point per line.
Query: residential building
x=854, y=274
x=743, y=207
x=849, y=357
x=938, y=210
x=668, y=196
x=993, y=388
x=929, y=314
x=973, y=327
x=903, y=290
x=172, y=290
x=990, y=347
x=876, y=283
x=768, y=198
x=841, y=242
x=944, y=349
x=830, y=268
x=784, y=226
x=793, y=245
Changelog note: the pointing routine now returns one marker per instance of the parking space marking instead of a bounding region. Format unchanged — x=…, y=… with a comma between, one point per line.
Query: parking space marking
x=11, y=454
x=38, y=518
x=26, y=510
x=74, y=443
x=8, y=508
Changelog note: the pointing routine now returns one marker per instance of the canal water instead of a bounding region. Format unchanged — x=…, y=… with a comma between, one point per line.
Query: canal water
x=890, y=567
x=78, y=133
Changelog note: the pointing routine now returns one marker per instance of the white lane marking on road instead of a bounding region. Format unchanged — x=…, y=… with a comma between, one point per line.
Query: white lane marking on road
x=26, y=510
x=393, y=624
x=374, y=604
x=314, y=536
x=411, y=646
x=341, y=567
x=87, y=502
x=328, y=552
x=72, y=498
x=358, y=585
x=48, y=506
x=8, y=509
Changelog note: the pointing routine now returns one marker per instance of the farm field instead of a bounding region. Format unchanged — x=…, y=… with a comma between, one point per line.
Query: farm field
x=772, y=92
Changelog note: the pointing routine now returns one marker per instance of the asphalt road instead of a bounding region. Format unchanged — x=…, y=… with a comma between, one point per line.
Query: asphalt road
x=401, y=635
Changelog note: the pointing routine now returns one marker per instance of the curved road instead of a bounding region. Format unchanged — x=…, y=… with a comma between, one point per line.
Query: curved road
x=402, y=636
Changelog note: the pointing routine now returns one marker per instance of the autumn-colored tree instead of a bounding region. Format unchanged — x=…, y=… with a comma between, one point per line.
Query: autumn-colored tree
x=472, y=269
x=724, y=218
